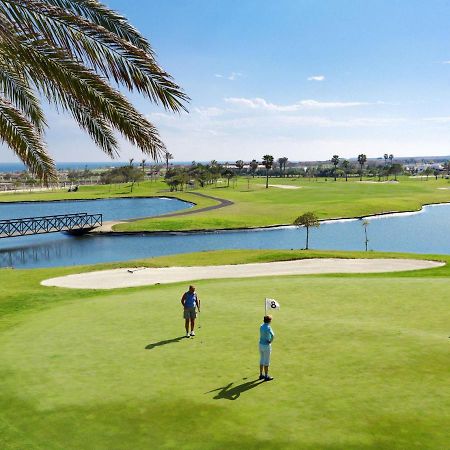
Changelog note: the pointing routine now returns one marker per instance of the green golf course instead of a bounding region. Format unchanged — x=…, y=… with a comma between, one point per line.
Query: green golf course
x=255, y=206
x=360, y=361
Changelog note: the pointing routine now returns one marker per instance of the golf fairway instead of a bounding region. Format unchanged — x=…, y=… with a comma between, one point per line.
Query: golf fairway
x=359, y=363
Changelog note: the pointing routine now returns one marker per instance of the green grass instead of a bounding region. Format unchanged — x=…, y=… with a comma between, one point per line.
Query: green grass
x=259, y=207
x=361, y=362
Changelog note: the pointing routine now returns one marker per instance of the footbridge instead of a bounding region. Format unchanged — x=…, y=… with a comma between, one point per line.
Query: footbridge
x=79, y=223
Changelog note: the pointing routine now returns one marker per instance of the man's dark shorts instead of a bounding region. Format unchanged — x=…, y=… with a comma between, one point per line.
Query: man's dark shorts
x=190, y=313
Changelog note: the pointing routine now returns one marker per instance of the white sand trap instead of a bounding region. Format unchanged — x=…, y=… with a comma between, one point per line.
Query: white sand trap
x=444, y=188
x=285, y=186
x=120, y=278
x=378, y=182
x=282, y=186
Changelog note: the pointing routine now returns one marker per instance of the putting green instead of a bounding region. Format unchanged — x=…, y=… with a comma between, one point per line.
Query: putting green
x=359, y=362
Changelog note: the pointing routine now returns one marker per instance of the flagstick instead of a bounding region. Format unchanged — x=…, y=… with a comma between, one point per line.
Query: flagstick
x=265, y=307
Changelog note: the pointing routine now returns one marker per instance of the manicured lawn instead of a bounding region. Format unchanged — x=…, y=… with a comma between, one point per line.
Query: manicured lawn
x=274, y=206
x=360, y=362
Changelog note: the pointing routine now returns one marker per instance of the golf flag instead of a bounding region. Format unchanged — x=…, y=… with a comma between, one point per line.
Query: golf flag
x=271, y=305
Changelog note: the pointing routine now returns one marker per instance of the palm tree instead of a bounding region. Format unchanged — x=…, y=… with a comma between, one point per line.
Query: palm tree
x=228, y=174
x=268, y=163
x=386, y=157
x=67, y=52
x=285, y=160
x=167, y=157
x=143, y=166
x=253, y=166
x=335, y=161
x=346, y=166
x=282, y=164
x=239, y=164
x=362, y=158
x=307, y=220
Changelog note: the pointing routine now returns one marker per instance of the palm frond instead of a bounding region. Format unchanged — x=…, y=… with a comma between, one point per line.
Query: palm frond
x=15, y=88
x=68, y=51
x=23, y=137
x=98, y=129
x=94, y=44
x=61, y=78
x=99, y=14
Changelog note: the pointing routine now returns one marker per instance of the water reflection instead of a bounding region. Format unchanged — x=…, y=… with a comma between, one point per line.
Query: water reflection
x=36, y=255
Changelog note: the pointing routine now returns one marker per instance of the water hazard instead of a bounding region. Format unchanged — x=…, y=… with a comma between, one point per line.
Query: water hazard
x=425, y=232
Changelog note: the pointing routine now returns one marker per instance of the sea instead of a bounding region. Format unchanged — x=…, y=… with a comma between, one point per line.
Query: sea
x=18, y=167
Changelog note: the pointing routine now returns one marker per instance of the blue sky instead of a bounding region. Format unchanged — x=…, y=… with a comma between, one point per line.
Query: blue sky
x=304, y=79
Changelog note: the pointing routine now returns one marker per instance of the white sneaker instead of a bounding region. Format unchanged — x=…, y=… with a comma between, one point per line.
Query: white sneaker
x=187, y=335
x=192, y=333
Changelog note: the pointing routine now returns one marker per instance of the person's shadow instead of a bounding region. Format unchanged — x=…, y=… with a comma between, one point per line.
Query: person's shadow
x=233, y=393
x=161, y=343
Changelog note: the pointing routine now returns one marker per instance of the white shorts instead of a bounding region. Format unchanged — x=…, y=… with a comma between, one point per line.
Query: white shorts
x=264, y=352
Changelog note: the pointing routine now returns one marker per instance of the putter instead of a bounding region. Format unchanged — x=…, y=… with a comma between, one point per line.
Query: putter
x=199, y=326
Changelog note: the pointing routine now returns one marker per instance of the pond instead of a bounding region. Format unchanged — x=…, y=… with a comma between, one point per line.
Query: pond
x=111, y=208
x=427, y=231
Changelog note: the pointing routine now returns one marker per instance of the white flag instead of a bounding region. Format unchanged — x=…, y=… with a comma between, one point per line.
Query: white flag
x=271, y=304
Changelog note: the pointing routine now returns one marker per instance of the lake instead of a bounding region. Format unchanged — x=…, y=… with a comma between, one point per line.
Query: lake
x=427, y=231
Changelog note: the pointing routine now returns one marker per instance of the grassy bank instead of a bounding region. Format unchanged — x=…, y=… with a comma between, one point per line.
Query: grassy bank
x=359, y=361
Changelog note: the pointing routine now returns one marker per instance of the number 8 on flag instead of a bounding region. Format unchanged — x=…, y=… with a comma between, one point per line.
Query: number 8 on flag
x=271, y=304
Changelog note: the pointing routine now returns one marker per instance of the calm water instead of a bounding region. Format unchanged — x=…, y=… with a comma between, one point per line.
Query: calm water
x=424, y=232
x=118, y=208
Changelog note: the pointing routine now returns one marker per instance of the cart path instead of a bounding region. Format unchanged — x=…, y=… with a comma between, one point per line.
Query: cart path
x=222, y=203
x=131, y=277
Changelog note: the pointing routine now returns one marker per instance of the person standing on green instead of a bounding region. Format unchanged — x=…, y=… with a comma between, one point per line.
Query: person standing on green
x=266, y=336
x=190, y=301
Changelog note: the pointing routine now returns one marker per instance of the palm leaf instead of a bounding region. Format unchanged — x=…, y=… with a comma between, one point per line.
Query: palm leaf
x=23, y=137
x=102, y=49
x=68, y=51
x=15, y=88
x=99, y=14
x=66, y=82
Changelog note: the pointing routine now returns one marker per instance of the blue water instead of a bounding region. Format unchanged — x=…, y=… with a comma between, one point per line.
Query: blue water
x=424, y=232
x=112, y=209
x=19, y=167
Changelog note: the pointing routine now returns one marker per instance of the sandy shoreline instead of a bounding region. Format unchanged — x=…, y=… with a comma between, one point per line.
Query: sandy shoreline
x=132, y=277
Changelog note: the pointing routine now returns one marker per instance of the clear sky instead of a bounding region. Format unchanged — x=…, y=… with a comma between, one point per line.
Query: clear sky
x=304, y=79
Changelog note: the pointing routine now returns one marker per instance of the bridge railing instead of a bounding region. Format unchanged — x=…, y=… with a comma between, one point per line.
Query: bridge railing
x=49, y=224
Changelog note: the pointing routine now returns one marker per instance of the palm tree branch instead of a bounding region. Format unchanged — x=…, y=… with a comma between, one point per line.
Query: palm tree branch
x=60, y=77
x=15, y=87
x=22, y=136
x=98, y=128
x=103, y=50
x=101, y=15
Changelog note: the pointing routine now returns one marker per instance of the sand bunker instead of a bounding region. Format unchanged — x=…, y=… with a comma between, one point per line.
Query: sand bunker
x=121, y=278
x=285, y=186
x=282, y=186
x=378, y=182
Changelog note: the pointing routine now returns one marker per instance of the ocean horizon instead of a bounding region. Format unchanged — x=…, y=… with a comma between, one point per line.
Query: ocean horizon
x=74, y=165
